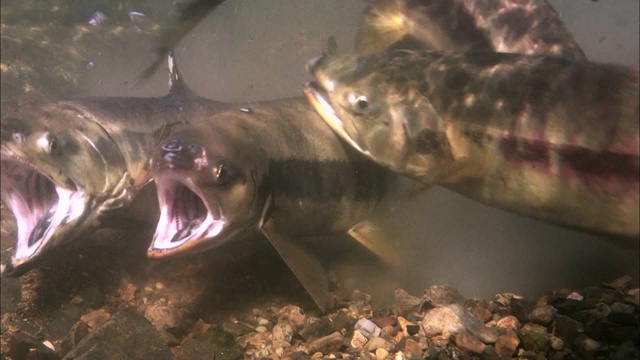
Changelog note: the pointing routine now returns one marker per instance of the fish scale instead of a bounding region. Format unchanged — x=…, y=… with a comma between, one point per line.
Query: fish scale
x=546, y=137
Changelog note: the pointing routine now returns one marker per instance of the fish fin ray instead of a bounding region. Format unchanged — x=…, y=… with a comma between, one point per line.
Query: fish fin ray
x=304, y=265
x=378, y=241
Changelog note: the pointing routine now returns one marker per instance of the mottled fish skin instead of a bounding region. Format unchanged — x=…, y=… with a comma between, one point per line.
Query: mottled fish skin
x=93, y=152
x=510, y=26
x=542, y=136
x=270, y=161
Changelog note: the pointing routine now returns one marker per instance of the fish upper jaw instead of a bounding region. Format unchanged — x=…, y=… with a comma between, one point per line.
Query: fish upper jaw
x=43, y=209
x=186, y=220
x=316, y=94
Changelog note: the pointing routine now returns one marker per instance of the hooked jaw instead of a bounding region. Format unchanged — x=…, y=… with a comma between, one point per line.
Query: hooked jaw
x=41, y=208
x=186, y=218
x=317, y=95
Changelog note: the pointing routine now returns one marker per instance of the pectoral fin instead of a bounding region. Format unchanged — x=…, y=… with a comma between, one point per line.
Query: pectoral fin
x=307, y=268
x=378, y=241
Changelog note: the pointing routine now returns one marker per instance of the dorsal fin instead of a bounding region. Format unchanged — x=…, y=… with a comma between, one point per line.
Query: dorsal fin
x=177, y=86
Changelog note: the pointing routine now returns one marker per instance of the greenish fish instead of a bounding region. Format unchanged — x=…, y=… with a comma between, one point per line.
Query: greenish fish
x=273, y=167
x=68, y=163
x=510, y=26
x=542, y=136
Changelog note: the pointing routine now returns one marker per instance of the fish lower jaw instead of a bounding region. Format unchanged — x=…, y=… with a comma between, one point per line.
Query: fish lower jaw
x=170, y=239
x=42, y=209
x=322, y=106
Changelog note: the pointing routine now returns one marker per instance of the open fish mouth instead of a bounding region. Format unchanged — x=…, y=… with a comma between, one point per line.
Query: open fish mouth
x=40, y=205
x=317, y=95
x=185, y=218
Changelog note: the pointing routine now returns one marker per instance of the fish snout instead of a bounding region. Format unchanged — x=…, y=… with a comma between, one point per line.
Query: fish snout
x=179, y=155
x=314, y=64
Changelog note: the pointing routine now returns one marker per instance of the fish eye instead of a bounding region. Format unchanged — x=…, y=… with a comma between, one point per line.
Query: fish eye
x=47, y=142
x=17, y=137
x=358, y=101
x=223, y=173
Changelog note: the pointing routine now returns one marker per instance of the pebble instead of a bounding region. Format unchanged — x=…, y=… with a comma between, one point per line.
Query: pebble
x=409, y=328
x=534, y=337
x=406, y=302
x=294, y=314
x=558, y=327
x=575, y=296
x=507, y=344
x=381, y=353
x=315, y=328
x=622, y=308
x=411, y=347
x=368, y=328
x=261, y=329
x=282, y=332
x=95, y=318
x=509, y=323
x=441, y=320
x=327, y=344
x=542, y=314
x=556, y=343
x=468, y=342
x=377, y=343
x=162, y=316
x=440, y=295
x=358, y=340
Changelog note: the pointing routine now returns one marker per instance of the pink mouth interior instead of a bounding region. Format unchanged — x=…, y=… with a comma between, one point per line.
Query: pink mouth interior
x=38, y=204
x=184, y=217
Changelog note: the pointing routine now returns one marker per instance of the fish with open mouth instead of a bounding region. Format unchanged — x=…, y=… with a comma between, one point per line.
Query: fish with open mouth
x=65, y=164
x=510, y=26
x=273, y=167
x=542, y=136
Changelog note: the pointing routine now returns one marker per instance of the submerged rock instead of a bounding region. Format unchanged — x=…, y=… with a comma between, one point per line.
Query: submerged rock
x=126, y=335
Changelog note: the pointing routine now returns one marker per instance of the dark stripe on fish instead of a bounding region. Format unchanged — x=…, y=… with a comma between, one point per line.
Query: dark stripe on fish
x=328, y=180
x=568, y=158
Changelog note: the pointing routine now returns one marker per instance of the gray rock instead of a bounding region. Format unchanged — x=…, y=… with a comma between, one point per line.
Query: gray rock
x=594, y=295
x=294, y=314
x=316, y=328
x=440, y=295
x=213, y=343
x=77, y=333
x=126, y=335
x=193, y=349
x=368, y=328
x=534, y=338
x=542, y=314
x=282, y=333
x=567, y=329
x=162, y=316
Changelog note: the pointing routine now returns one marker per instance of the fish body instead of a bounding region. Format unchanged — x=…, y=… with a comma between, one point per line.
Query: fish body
x=273, y=167
x=546, y=137
x=510, y=26
x=65, y=164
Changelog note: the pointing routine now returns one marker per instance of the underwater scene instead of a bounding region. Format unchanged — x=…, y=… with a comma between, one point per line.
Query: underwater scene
x=320, y=179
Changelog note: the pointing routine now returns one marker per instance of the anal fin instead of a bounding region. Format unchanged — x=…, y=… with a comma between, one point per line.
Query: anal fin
x=304, y=265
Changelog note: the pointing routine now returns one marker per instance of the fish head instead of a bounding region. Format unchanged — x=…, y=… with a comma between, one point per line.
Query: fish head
x=376, y=105
x=210, y=190
x=59, y=172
